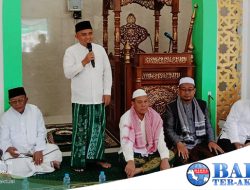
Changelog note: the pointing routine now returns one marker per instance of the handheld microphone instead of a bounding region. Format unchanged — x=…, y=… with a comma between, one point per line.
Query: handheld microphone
x=168, y=36
x=89, y=46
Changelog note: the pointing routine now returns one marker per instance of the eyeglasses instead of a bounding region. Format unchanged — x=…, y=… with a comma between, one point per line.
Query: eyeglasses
x=189, y=90
x=17, y=101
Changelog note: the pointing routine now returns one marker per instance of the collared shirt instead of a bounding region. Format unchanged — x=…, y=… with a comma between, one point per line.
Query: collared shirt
x=26, y=132
x=128, y=149
x=88, y=84
x=237, y=125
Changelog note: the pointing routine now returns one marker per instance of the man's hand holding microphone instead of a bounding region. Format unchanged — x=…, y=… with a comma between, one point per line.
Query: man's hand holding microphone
x=90, y=57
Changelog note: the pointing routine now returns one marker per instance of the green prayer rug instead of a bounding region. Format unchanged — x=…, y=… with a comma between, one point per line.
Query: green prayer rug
x=54, y=180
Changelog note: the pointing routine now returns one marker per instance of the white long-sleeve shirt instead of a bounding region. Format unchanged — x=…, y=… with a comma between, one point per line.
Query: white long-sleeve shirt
x=26, y=132
x=88, y=84
x=128, y=149
x=237, y=125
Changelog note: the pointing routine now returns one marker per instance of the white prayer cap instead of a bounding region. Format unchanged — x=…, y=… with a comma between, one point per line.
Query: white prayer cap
x=188, y=80
x=139, y=92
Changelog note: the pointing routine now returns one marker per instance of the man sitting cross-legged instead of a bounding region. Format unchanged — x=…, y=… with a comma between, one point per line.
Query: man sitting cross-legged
x=187, y=127
x=22, y=139
x=143, y=148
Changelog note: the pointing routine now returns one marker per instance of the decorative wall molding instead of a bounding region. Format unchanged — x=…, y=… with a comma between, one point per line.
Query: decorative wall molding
x=245, y=82
x=229, y=55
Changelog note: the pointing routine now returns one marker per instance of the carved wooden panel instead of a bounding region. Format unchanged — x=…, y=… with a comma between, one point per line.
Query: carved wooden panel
x=149, y=4
x=160, y=96
x=158, y=74
x=164, y=75
x=133, y=34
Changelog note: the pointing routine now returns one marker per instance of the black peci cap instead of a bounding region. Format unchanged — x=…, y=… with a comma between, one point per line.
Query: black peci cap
x=16, y=92
x=82, y=26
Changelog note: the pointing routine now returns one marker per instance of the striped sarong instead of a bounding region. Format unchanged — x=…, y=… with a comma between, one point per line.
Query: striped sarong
x=89, y=122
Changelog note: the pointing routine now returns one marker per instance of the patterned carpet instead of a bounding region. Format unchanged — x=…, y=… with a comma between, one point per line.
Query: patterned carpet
x=61, y=134
x=53, y=181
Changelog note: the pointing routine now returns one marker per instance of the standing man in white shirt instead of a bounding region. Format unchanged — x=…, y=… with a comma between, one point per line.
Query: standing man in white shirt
x=23, y=138
x=87, y=65
x=235, y=133
x=143, y=148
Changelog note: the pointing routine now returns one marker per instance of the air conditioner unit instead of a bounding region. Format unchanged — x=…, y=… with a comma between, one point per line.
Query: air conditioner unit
x=74, y=5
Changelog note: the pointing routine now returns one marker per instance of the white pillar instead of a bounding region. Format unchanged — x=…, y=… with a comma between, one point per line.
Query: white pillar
x=245, y=88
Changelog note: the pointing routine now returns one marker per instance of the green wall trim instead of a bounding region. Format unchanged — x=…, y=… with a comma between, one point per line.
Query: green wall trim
x=205, y=52
x=12, y=47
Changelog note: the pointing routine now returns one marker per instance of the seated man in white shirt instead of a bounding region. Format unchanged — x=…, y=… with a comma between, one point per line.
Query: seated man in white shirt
x=235, y=133
x=22, y=139
x=143, y=148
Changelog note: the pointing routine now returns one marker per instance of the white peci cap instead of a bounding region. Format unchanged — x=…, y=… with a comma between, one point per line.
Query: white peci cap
x=138, y=92
x=188, y=80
